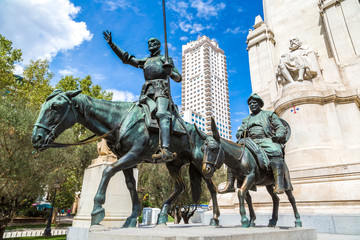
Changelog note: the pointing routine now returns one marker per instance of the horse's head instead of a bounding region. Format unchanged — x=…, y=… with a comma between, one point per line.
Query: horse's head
x=56, y=115
x=213, y=153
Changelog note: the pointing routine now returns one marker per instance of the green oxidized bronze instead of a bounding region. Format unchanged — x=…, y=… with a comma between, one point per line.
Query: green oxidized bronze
x=156, y=88
x=132, y=142
x=257, y=159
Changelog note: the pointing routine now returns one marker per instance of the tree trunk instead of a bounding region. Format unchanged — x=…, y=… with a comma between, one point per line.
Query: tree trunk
x=3, y=224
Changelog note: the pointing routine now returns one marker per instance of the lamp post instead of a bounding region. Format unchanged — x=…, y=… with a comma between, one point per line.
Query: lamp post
x=47, y=231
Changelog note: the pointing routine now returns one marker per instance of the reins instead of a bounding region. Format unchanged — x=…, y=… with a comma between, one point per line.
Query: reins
x=242, y=154
x=84, y=141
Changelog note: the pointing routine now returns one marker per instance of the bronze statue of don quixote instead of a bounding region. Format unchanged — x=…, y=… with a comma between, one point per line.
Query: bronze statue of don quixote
x=147, y=131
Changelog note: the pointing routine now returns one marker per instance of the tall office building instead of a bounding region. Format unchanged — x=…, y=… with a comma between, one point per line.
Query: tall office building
x=205, y=91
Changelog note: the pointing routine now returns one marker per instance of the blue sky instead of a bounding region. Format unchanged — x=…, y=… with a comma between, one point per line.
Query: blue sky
x=69, y=34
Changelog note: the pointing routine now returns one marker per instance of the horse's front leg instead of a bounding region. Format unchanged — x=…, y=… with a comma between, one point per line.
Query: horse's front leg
x=291, y=198
x=251, y=210
x=175, y=173
x=131, y=221
x=216, y=212
x=248, y=182
x=127, y=161
x=276, y=201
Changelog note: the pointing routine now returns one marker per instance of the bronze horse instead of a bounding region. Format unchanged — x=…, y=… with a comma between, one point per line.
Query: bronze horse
x=218, y=151
x=132, y=142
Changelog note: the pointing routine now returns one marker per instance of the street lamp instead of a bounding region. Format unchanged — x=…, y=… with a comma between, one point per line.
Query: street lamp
x=47, y=231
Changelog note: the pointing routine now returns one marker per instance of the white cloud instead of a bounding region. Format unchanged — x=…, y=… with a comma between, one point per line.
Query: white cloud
x=240, y=10
x=98, y=76
x=242, y=113
x=112, y=5
x=122, y=95
x=171, y=47
x=181, y=8
x=69, y=71
x=193, y=28
x=18, y=70
x=235, y=31
x=206, y=9
x=42, y=28
x=184, y=38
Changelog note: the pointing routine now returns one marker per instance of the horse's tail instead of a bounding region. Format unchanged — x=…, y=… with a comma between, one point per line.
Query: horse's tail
x=195, y=183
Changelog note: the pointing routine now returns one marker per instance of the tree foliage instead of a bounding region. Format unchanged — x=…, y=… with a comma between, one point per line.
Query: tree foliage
x=8, y=57
x=25, y=176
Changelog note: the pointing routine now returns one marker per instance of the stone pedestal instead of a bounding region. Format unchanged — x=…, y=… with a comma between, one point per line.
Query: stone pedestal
x=118, y=202
x=191, y=232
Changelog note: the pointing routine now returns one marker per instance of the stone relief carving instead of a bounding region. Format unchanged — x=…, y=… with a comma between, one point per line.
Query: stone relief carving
x=103, y=148
x=297, y=64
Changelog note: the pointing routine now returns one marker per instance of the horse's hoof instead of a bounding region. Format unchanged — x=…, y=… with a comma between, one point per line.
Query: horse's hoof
x=272, y=223
x=214, y=222
x=245, y=223
x=252, y=224
x=162, y=219
x=99, y=227
x=97, y=216
x=130, y=223
x=298, y=223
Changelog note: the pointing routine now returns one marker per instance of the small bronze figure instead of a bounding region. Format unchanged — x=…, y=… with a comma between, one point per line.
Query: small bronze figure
x=256, y=160
x=268, y=132
x=155, y=87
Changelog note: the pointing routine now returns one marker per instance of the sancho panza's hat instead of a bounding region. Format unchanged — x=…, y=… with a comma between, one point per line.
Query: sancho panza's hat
x=256, y=98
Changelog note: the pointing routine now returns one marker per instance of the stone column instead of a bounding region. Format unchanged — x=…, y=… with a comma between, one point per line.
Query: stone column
x=261, y=59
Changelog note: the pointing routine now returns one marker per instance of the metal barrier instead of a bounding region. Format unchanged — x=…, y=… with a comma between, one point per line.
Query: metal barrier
x=33, y=233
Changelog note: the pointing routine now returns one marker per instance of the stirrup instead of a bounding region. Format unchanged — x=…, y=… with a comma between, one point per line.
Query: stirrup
x=279, y=190
x=164, y=155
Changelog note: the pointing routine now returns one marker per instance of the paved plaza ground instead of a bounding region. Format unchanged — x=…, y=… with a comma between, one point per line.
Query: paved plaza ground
x=65, y=219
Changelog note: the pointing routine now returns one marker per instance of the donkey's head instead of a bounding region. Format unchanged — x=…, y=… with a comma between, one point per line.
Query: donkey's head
x=213, y=153
x=56, y=115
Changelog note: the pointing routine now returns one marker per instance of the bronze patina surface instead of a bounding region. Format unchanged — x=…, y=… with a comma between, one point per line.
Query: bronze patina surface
x=132, y=142
x=259, y=163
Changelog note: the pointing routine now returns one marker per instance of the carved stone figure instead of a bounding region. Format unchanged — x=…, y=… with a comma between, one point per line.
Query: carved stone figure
x=296, y=65
x=156, y=87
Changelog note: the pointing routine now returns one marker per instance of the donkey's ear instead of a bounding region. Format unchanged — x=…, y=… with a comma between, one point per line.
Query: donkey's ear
x=71, y=94
x=202, y=135
x=214, y=130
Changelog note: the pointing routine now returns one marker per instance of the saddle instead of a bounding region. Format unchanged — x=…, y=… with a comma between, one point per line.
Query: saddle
x=148, y=107
x=259, y=154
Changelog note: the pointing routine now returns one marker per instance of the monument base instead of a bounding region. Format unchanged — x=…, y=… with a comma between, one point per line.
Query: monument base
x=323, y=223
x=189, y=231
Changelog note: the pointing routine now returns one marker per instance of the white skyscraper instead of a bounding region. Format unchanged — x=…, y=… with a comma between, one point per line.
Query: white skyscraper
x=205, y=91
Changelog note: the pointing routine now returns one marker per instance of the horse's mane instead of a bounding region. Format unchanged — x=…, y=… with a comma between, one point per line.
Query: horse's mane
x=86, y=104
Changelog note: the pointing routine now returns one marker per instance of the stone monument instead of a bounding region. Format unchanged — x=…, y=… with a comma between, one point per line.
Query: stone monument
x=323, y=153
x=118, y=206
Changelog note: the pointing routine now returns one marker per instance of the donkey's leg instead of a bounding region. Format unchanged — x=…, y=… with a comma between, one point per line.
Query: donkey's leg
x=216, y=212
x=276, y=201
x=129, y=160
x=291, y=198
x=136, y=207
x=175, y=173
x=249, y=180
x=251, y=210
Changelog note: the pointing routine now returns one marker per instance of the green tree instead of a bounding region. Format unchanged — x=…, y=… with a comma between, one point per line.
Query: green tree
x=70, y=82
x=8, y=58
x=23, y=175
